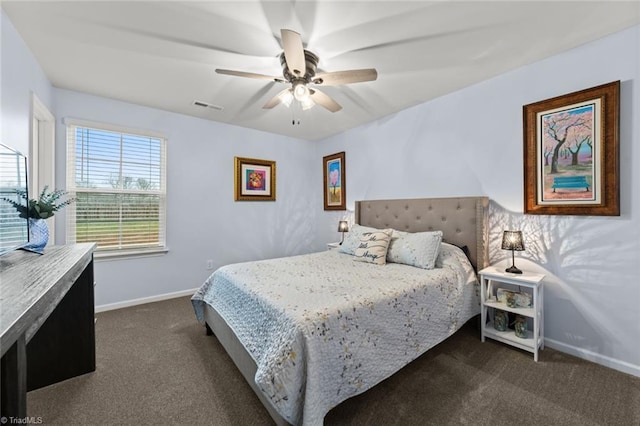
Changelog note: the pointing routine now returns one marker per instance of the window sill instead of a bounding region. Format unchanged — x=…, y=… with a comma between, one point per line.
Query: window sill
x=128, y=254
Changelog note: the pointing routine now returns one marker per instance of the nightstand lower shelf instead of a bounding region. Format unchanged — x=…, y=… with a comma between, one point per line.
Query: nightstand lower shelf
x=509, y=337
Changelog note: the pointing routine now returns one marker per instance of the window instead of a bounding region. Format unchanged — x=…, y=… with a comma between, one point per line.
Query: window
x=118, y=178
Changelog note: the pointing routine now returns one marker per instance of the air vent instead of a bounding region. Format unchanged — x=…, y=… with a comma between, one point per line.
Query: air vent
x=207, y=105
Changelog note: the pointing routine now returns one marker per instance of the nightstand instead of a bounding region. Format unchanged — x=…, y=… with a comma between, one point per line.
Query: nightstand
x=528, y=282
x=333, y=246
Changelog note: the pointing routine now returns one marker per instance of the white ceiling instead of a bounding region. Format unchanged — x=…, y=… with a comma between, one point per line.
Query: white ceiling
x=163, y=54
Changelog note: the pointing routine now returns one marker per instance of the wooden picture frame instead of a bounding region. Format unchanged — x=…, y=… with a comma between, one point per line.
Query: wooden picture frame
x=571, y=153
x=335, y=189
x=255, y=180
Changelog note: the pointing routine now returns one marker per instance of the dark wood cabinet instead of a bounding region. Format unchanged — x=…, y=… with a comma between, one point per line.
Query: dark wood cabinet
x=46, y=321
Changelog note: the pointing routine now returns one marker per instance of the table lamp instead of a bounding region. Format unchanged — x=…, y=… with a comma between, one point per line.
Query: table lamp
x=343, y=226
x=512, y=240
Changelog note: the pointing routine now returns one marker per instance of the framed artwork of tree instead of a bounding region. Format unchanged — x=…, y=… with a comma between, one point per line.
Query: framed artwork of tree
x=335, y=189
x=571, y=156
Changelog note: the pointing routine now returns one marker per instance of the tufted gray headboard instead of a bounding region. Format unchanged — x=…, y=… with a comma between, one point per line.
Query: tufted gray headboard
x=463, y=220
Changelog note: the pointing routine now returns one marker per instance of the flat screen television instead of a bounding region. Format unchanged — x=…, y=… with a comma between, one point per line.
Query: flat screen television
x=14, y=230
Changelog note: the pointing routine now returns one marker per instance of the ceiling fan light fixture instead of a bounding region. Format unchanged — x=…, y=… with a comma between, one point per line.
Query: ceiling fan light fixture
x=286, y=97
x=307, y=103
x=300, y=91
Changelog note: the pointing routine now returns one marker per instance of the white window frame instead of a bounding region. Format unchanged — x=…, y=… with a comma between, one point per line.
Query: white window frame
x=72, y=123
x=42, y=150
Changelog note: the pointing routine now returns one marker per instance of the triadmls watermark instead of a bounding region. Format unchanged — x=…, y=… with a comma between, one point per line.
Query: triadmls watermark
x=33, y=420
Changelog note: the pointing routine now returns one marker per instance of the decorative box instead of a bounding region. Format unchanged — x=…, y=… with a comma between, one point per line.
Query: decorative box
x=514, y=299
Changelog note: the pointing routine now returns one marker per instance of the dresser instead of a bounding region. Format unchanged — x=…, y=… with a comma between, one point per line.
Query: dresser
x=47, y=331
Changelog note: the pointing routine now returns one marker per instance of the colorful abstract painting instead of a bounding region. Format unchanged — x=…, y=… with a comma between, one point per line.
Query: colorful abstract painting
x=255, y=180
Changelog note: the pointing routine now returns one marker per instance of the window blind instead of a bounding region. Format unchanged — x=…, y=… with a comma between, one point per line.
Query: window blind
x=118, y=178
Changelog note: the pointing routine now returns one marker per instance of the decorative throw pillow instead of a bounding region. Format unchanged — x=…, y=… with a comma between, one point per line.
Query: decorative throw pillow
x=352, y=238
x=373, y=247
x=419, y=249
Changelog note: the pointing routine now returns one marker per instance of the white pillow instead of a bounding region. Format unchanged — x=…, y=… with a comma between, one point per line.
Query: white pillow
x=352, y=238
x=373, y=246
x=419, y=249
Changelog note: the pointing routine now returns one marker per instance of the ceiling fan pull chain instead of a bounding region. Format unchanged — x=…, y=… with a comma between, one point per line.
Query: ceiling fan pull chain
x=293, y=116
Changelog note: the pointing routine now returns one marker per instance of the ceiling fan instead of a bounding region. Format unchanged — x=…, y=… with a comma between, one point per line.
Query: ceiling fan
x=299, y=68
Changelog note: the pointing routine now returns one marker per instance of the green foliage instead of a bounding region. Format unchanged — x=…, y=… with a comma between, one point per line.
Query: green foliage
x=44, y=207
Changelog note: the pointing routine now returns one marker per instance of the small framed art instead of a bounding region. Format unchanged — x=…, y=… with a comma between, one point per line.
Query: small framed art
x=255, y=180
x=335, y=191
x=571, y=156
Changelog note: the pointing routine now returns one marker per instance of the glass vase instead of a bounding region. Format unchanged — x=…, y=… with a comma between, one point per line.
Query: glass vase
x=521, y=327
x=500, y=320
x=38, y=235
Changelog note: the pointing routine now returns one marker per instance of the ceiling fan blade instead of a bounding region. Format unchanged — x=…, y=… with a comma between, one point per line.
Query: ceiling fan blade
x=272, y=102
x=324, y=100
x=293, y=52
x=249, y=75
x=345, y=77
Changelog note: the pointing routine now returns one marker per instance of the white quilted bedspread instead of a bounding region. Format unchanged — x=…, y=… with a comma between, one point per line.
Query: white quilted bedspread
x=322, y=328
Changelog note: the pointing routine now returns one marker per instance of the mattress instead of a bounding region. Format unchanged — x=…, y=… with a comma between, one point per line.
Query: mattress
x=322, y=328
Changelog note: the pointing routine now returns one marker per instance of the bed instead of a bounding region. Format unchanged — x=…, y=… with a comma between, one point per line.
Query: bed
x=310, y=331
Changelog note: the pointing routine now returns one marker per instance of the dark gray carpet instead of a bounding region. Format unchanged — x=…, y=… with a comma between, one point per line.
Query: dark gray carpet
x=156, y=366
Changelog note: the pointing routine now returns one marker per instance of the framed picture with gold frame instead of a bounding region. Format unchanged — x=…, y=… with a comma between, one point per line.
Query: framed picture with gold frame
x=255, y=180
x=571, y=153
x=335, y=190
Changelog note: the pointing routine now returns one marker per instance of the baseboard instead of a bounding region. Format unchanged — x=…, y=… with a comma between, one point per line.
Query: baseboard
x=143, y=300
x=604, y=360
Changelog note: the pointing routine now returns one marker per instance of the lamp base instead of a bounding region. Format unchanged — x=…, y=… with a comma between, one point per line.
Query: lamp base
x=513, y=270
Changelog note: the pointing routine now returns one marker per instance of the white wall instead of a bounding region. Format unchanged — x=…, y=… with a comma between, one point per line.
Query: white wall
x=466, y=143
x=203, y=220
x=471, y=143
x=21, y=76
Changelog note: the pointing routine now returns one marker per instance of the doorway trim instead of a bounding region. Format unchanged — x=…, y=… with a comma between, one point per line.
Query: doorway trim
x=42, y=150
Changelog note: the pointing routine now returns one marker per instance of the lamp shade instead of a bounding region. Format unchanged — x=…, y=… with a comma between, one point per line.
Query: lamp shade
x=286, y=97
x=343, y=226
x=512, y=240
x=307, y=103
x=300, y=91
